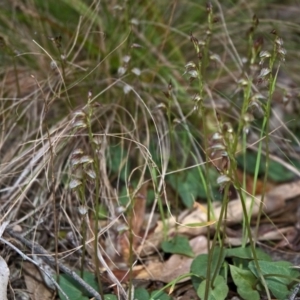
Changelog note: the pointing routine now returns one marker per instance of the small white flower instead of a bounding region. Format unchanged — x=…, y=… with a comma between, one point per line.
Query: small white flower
x=190, y=65
x=136, y=71
x=126, y=59
x=53, y=65
x=79, y=124
x=223, y=179
x=127, y=88
x=264, y=54
x=121, y=71
x=216, y=136
x=215, y=57
x=86, y=159
x=77, y=151
x=97, y=140
x=91, y=173
x=74, y=183
x=82, y=209
x=264, y=72
x=134, y=22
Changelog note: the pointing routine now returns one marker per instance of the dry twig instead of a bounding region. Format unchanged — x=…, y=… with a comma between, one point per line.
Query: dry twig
x=37, y=249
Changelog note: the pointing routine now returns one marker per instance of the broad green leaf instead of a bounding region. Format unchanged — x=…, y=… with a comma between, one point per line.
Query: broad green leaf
x=246, y=253
x=141, y=294
x=117, y=161
x=280, y=291
x=245, y=282
x=278, y=275
x=111, y=297
x=284, y=269
x=124, y=198
x=71, y=288
x=178, y=245
x=189, y=186
x=200, y=263
x=102, y=212
x=159, y=295
x=219, y=290
x=277, y=172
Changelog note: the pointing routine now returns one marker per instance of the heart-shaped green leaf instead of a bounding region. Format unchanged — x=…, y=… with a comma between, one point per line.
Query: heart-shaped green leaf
x=245, y=282
x=218, y=291
x=178, y=245
x=278, y=275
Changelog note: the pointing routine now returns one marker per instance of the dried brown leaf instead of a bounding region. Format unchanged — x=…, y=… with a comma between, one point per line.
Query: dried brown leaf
x=34, y=282
x=175, y=266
